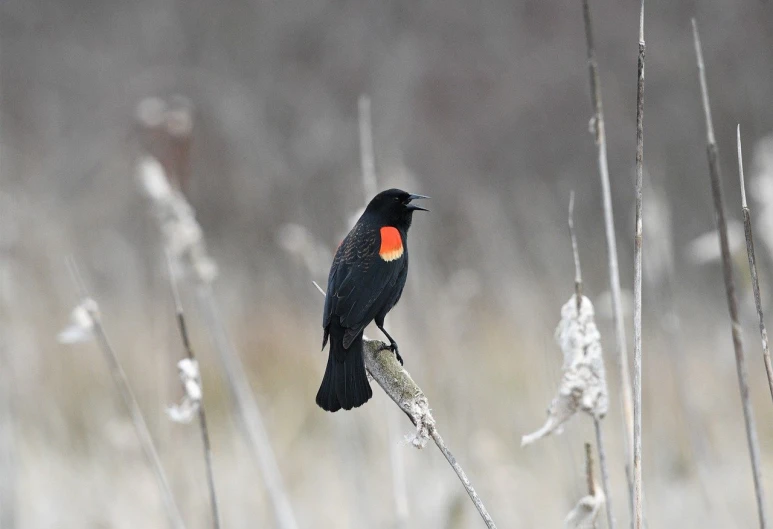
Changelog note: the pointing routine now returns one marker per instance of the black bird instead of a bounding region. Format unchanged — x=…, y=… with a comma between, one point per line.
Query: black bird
x=366, y=280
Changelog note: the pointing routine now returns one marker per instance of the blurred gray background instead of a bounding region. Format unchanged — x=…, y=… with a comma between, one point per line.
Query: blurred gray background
x=482, y=105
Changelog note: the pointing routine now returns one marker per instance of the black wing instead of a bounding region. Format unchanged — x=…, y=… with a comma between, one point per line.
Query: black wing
x=360, y=281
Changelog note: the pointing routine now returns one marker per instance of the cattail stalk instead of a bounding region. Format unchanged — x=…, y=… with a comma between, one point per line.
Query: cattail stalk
x=637, y=514
x=251, y=422
x=747, y=224
x=396, y=382
x=727, y=269
x=609, y=224
x=585, y=513
x=596, y=421
x=181, y=323
x=121, y=382
x=183, y=240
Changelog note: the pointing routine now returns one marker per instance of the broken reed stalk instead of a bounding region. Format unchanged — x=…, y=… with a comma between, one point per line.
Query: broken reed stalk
x=596, y=420
x=609, y=224
x=727, y=269
x=178, y=307
x=575, y=254
x=604, y=472
x=747, y=225
x=585, y=513
x=589, y=470
x=398, y=384
x=637, y=515
x=130, y=401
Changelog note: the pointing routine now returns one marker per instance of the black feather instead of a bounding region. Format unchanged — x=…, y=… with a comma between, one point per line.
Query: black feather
x=362, y=286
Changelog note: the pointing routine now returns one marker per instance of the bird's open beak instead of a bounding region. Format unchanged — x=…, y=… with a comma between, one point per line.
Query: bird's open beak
x=414, y=207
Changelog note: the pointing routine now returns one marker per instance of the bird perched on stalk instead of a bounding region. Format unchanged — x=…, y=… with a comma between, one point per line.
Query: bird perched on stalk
x=366, y=280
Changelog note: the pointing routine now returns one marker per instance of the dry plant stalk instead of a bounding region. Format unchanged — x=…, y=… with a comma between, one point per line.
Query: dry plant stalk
x=398, y=384
x=585, y=513
x=183, y=241
x=637, y=515
x=747, y=224
x=600, y=446
x=191, y=384
x=597, y=127
x=86, y=315
x=370, y=188
x=727, y=269
x=604, y=472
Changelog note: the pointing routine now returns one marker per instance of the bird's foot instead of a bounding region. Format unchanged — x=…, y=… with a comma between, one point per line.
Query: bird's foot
x=393, y=347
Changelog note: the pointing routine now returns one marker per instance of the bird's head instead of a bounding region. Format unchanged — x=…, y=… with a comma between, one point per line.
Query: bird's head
x=394, y=207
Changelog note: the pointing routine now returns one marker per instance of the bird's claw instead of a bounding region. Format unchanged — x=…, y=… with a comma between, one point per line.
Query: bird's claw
x=393, y=347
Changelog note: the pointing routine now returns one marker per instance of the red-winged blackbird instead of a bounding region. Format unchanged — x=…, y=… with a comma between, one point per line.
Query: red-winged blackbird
x=366, y=280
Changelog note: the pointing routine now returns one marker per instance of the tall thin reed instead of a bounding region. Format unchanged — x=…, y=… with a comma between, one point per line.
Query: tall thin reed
x=398, y=384
x=183, y=240
x=747, y=224
x=182, y=326
x=124, y=389
x=596, y=421
x=637, y=515
x=727, y=269
x=609, y=225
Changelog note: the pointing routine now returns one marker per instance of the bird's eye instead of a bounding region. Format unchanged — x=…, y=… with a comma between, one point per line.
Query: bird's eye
x=397, y=199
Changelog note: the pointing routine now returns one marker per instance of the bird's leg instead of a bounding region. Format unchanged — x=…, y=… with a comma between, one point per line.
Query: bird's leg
x=392, y=343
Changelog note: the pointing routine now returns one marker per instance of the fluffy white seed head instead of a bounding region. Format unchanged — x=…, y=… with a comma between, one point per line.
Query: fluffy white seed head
x=583, y=384
x=81, y=325
x=186, y=410
x=585, y=513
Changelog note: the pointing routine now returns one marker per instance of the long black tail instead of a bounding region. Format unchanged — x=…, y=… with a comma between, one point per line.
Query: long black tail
x=345, y=384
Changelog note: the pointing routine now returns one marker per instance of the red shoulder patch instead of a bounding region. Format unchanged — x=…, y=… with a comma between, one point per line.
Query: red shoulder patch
x=391, y=244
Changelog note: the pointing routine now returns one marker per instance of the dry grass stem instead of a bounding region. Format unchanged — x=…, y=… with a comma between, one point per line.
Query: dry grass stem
x=727, y=268
x=614, y=273
x=586, y=512
x=747, y=224
x=589, y=470
x=596, y=421
x=575, y=253
x=604, y=472
x=383, y=367
x=202, y=415
x=94, y=325
x=637, y=515
x=247, y=407
x=398, y=384
x=184, y=243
